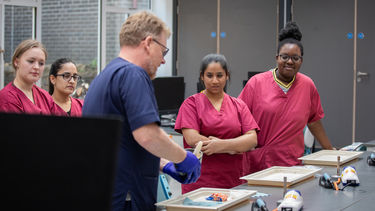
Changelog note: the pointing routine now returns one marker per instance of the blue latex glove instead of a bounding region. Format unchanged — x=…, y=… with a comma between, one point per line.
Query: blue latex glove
x=188, y=171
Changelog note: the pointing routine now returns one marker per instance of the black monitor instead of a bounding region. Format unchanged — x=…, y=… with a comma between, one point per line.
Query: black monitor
x=58, y=163
x=252, y=73
x=170, y=93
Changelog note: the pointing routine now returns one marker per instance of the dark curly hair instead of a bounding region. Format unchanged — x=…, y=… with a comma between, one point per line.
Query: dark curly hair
x=290, y=34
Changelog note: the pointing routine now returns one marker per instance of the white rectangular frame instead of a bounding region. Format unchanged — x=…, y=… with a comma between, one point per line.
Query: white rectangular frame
x=313, y=159
x=174, y=204
x=258, y=178
x=37, y=26
x=102, y=27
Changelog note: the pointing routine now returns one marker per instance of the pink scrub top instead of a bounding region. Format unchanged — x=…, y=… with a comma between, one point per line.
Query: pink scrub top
x=14, y=100
x=234, y=119
x=282, y=118
x=75, y=109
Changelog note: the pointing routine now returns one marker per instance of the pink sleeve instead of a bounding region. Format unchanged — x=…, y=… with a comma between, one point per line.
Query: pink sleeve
x=76, y=109
x=246, y=94
x=46, y=103
x=10, y=103
x=247, y=120
x=10, y=107
x=316, y=111
x=53, y=108
x=80, y=102
x=187, y=116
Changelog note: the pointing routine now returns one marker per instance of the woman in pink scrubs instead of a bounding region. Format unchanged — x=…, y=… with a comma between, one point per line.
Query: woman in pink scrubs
x=223, y=123
x=22, y=95
x=283, y=101
x=63, y=78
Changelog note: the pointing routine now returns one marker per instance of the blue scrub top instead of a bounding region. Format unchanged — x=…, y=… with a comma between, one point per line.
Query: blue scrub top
x=125, y=89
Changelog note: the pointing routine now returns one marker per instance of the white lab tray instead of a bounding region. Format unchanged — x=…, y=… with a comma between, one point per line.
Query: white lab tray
x=234, y=197
x=329, y=157
x=274, y=176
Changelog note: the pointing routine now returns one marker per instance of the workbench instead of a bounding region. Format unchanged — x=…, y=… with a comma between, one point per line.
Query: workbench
x=319, y=198
x=315, y=197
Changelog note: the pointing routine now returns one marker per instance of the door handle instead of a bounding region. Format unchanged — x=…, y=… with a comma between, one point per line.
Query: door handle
x=361, y=75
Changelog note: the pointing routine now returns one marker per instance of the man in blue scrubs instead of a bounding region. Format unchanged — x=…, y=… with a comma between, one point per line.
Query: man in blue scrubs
x=124, y=88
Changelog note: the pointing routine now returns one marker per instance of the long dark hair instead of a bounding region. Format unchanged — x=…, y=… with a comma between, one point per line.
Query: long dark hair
x=208, y=59
x=55, y=67
x=290, y=34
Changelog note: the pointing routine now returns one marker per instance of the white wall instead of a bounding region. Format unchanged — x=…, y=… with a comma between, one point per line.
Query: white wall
x=164, y=10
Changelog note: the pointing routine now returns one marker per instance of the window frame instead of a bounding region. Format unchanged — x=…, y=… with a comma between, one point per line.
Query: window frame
x=36, y=28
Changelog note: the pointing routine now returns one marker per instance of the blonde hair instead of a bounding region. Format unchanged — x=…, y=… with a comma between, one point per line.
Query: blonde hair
x=140, y=25
x=25, y=46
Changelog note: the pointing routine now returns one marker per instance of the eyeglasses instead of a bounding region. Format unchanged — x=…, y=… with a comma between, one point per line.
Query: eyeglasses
x=166, y=49
x=68, y=77
x=286, y=58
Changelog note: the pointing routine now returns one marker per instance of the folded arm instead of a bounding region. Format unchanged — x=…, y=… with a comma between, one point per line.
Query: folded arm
x=192, y=137
x=236, y=145
x=213, y=145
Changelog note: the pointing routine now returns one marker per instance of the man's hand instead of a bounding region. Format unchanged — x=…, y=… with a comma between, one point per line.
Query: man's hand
x=188, y=171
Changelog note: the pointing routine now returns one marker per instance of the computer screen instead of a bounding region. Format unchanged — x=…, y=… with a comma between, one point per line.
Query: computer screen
x=170, y=93
x=58, y=163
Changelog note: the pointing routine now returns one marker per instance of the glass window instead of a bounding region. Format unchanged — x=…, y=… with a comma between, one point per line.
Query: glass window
x=18, y=23
x=113, y=26
x=133, y=4
x=70, y=30
x=116, y=12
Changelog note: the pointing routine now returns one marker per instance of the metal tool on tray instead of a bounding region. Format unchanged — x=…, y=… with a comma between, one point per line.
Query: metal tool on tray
x=285, y=179
x=326, y=181
x=348, y=178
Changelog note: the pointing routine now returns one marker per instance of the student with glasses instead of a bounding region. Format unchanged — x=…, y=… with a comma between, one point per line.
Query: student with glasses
x=124, y=88
x=22, y=95
x=63, y=79
x=283, y=101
